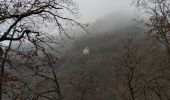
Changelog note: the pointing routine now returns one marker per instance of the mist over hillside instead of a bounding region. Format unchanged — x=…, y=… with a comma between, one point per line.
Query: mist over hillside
x=104, y=38
x=84, y=50
x=111, y=23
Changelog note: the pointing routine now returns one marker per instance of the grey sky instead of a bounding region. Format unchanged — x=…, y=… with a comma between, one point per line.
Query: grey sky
x=94, y=9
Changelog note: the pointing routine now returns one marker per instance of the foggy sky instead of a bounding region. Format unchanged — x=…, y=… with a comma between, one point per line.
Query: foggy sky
x=91, y=10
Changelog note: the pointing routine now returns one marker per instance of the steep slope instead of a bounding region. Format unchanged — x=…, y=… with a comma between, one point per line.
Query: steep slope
x=104, y=43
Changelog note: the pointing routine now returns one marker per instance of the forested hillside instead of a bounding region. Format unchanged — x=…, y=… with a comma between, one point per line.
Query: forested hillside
x=121, y=64
x=47, y=52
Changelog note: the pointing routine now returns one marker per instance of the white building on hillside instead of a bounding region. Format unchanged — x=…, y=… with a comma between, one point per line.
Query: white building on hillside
x=86, y=51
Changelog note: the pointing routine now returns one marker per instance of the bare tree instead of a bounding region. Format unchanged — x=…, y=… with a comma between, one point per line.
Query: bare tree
x=129, y=64
x=158, y=25
x=139, y=71
x=158, y=28
x=30, y=25
x=51, y=77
